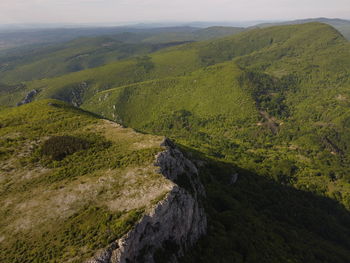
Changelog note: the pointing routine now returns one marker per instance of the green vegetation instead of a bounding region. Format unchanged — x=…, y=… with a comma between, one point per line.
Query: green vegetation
x=259, y=220
x=37, y=62
x=343, y=26
x=274, y=105
x=58, y=147
x=74, y=239
x=70, y=182
x=271, y=105
x=280, y=113
x=73, y=56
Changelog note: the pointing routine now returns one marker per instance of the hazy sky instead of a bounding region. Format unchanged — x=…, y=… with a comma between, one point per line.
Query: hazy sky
x=99, y=11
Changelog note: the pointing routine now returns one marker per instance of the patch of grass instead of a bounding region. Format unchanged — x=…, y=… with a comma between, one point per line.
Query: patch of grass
x=77, y=238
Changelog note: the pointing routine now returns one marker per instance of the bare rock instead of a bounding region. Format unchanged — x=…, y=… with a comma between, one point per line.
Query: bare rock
x=173, y=225
x=28, y=98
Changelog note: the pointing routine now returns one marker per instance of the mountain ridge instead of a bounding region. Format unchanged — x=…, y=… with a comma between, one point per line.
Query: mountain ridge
x=262, y=115
x=71, y=208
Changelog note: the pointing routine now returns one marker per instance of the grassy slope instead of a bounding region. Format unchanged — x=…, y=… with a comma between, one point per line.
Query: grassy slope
x=65, y=209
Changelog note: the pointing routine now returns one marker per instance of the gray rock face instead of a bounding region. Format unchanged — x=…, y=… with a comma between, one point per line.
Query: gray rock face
x=77, y=94
x=28, y=98
x=173, y=225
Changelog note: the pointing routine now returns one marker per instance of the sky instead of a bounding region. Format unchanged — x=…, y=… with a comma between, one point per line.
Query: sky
x=124, y=11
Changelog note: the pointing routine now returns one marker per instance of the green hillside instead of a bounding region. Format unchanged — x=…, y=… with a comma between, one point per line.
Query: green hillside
x=208, y=93
x=270, y=117
x=68, y=182
x=290, y=95
x=342, y=25
x=267, y=106
x=83, y=53
x=259, y=220
x=36, y=62
x=174, y=61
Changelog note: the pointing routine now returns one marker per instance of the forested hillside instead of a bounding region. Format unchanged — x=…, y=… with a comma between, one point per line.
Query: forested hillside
x=30, y=62
x=264, y=114
x=342, y=25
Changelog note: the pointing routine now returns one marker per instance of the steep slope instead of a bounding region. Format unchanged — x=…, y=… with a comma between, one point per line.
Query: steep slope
x=251, y=218
x=72, y=184
x=286, y=102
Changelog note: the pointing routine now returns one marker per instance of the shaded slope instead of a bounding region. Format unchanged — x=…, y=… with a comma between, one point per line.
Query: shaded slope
x=259, y=220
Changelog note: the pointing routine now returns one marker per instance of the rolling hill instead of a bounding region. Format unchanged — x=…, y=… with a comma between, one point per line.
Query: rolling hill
x=291, y=94
x=340, y=24
x=173, y=61
x=44, y=61
x=263, y=115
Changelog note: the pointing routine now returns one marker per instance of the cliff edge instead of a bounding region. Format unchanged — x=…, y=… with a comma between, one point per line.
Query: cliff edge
x=173, y=225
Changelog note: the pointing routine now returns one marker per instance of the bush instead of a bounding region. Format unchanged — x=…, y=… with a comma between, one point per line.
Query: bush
x=58, y=147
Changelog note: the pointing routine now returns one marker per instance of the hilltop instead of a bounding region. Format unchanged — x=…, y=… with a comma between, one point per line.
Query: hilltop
x=340, y=24
x=73, y=184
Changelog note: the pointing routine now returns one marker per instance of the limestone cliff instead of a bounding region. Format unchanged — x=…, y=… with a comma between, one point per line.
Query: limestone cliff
x=173, y=225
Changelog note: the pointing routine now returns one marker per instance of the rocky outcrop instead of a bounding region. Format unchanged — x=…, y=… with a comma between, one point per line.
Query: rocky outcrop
x=173, y=225
x=28, y=98
x=76, y=96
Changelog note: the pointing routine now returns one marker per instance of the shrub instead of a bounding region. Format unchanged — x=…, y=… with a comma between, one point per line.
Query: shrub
x=58, y=147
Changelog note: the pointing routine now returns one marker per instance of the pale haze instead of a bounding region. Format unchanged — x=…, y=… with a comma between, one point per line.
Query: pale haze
x=119, y=11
